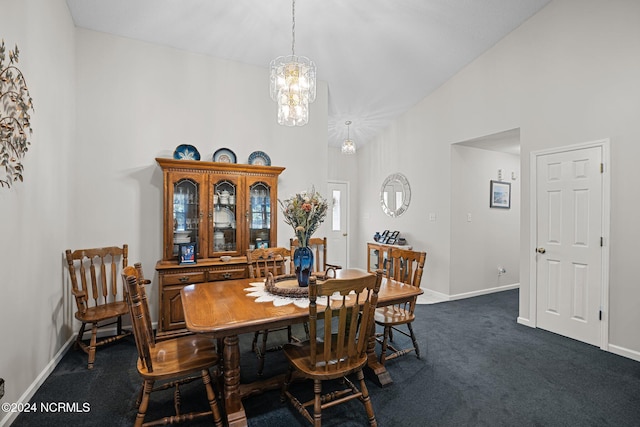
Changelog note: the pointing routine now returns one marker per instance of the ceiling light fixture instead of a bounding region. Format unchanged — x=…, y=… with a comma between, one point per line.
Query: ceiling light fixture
x=293, y=83
x=348, y=146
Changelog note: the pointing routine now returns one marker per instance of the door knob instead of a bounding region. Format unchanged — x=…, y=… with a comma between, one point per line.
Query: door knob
x=344, y=234
x=541, y=250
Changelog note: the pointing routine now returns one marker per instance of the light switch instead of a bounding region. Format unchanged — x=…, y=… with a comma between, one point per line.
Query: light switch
x=432, y=217
x=468, y=217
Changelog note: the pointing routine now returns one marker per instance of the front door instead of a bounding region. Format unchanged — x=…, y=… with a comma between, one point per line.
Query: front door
x=569, y=252
x=337, y=242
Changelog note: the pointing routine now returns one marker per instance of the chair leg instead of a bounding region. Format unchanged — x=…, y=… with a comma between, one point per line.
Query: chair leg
x=147, y=387
x=285, y=384
x=263, y=350
x=92, y=345
x=211, y=397
x=385, y=338
x=414, y=340
x=254, y=343
x=76, y=344
x=366, y=400
x=317, y=403
x=306, y=329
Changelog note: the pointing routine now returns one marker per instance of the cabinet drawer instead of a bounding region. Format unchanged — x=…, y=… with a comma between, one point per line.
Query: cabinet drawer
x=227, y=274
x=183, y=278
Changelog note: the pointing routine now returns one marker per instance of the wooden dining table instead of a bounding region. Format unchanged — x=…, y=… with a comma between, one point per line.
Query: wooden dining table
x=223, y=310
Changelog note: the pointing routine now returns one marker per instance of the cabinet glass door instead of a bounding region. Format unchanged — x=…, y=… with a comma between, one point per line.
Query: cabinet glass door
x=186, y=213
x=225, y=239
x=259, y=215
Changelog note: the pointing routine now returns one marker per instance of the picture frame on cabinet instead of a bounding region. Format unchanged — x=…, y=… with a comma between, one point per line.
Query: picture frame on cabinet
x=500, y=195
x=187, y=253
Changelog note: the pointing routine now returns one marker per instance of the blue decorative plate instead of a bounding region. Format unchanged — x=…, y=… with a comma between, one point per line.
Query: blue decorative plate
x=186, y=152
x=224, y=155
x=259, y=158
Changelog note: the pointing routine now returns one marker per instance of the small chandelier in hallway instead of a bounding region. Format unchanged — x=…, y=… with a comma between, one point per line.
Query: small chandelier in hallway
x=293, y=83
x=348, y=146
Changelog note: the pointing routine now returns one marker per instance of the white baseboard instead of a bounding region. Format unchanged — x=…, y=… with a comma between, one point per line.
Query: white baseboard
x=625, y=352
x=484, y=291
x=433, y=297
x=526, y=322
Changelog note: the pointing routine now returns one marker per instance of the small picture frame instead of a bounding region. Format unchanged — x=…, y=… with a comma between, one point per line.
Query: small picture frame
x=394, y=235
x=384, y=240
x=500, y=195
x=187, y=253
x=385, y=233
x=391, y=241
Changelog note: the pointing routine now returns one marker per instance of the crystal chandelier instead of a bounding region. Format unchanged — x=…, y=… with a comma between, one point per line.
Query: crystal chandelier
x=348, y=146
x=293, y=83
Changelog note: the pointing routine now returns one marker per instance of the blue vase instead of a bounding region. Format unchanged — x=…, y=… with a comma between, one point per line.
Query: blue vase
x=303, y=263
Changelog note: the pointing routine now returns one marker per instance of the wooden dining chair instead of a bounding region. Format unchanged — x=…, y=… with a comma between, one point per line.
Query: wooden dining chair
x=406, y=267
x=276, y=260
x=341, y=323
x=262, y=261
x=172, y=362
x=319, y=247
x=99, y=299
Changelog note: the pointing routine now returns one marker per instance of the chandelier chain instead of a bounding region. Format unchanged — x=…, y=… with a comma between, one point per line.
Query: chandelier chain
x=293, y=28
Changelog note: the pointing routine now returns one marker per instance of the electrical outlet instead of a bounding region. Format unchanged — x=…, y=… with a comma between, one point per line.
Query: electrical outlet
x=432, y=217
x=501, y=271
x=468, y=217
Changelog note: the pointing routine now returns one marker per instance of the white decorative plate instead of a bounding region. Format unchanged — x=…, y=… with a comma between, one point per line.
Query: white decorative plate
x=259, y=158
x=224, y=155
x=223, y=217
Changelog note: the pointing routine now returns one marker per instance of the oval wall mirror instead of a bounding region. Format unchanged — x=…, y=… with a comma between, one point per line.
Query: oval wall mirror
x=395, y=195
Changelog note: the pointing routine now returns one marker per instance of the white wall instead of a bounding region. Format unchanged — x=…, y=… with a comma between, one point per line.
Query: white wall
x=562, y=78
x=138, y=101
x=491, y=237
x=35, y=214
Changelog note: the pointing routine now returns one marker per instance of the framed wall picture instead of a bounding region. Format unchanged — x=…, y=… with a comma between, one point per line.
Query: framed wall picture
x=187, y=253
x=500, y=195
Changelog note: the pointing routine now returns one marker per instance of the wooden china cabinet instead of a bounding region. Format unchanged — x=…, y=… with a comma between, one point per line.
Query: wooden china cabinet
x=222, y=209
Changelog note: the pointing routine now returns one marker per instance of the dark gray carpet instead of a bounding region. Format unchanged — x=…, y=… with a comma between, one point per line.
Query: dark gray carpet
x=478, y=368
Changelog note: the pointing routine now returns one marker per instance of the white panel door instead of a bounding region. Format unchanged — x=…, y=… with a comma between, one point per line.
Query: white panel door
x=569, y=252
x=337, y=242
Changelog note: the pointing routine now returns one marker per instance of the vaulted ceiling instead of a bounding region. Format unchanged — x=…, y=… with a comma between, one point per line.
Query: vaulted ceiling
x=378, y=57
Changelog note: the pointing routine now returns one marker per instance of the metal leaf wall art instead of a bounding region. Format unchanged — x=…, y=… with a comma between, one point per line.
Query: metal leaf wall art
x=15, y=124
